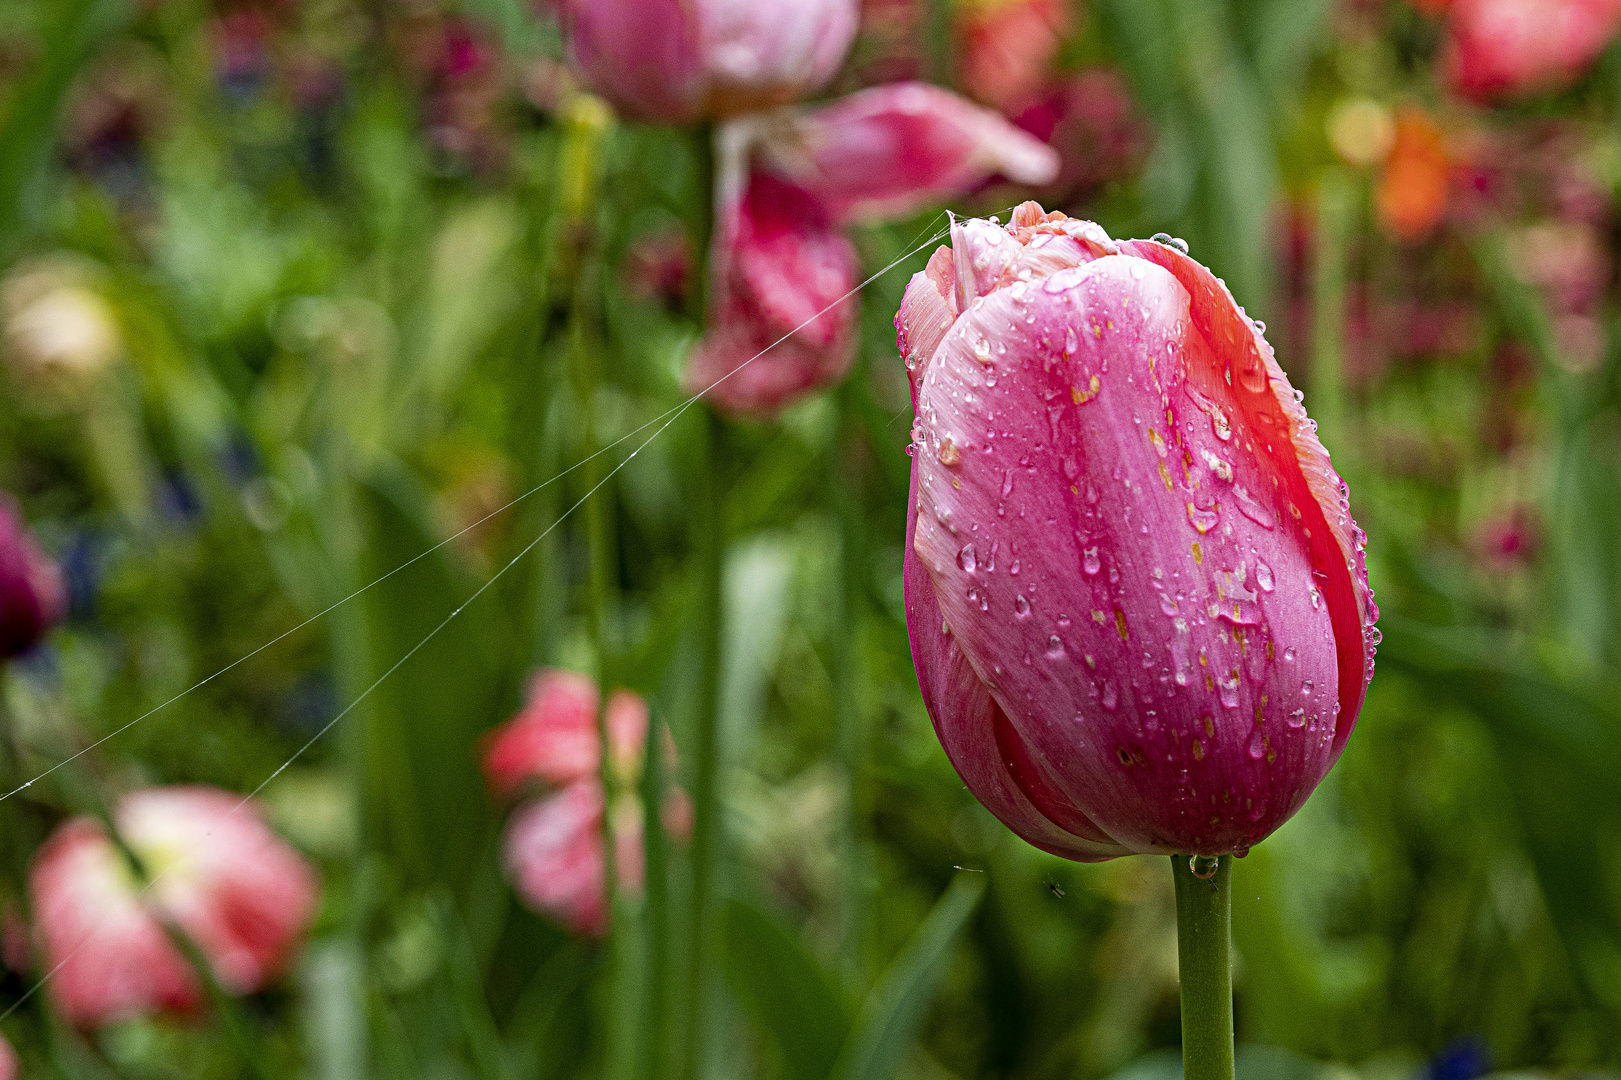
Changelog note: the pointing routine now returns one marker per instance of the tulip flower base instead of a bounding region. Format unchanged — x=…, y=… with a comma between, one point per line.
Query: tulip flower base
x=1204, y=910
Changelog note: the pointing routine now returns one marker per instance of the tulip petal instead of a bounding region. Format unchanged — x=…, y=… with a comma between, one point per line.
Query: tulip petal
x=761, y=53
x=645, y=57
x=893, y=150
x=967, y=721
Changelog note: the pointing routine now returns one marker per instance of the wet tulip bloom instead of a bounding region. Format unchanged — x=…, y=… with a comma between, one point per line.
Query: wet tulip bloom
x=553, y=846
x=683, y=60
x=1507, y=48
x=33, y=594
x=789, y=183
x=1136, y=598
x=230, y=884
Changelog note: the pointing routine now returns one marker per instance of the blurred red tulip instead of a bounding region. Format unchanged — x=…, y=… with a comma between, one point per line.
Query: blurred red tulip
x=1005, y=48
x=1091, y=120
x=1507, y=48
x=33, y=594
x=789, y=182
x=682, y=60
x=1507, y=540
x=236, y=889
x=1413, y=191
x=553, y=844
x=1110, y=669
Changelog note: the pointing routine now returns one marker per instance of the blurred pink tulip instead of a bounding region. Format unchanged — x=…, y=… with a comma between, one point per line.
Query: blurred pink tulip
x=236, y=889
x=553, y=845
x=553, y=739
x=33, y=594
x=683, y=60
x=788, y=184
x=1506, y=48
x=10, y=1068
x=1112, y=669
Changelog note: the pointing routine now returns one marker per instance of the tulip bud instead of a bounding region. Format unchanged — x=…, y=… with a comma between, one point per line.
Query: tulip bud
x=235, y=888
x=33, y=594
x=1508, y=48
x=1136, y=599
x=683, y=60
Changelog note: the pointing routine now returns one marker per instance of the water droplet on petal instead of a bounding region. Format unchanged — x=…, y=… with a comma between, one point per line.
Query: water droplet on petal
x=967, y=559
x=1251, y=508
x=1090, y=561
x=1263, y=576
x=1296, y=718
x=1055, y=648
x=1203, y=867
x=1111, y=696
x=1021, y=606
x=1257, y=746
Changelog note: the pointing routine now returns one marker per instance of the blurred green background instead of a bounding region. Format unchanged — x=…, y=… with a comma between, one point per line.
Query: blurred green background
x=352, y=274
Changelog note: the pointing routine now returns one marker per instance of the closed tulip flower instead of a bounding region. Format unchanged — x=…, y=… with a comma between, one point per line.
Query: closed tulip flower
x=1136, y=598
x=1507, y=48
x=33, y=594
x=236, y=889
x=678, y=61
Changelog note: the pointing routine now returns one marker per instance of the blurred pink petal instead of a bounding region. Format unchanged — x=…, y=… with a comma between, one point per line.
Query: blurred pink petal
x=1091, y=120
x=1507, y=48
x=554, y=856
x=32, y=592
x=111, y=958
x=10, y=1068
x=554, y=737
x=891, y=151
x=780, y=268
x=682, y=60
x=235, y=888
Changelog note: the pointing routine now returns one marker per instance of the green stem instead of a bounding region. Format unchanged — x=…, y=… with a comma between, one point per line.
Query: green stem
x=710, y=546
x=852, y=735
x=1204, y=917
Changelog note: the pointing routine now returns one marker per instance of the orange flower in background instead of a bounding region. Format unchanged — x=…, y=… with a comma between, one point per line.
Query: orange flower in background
x=1412, y=195
x=1006, y=47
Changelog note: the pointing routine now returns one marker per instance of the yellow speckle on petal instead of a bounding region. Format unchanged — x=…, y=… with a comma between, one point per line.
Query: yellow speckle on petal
x=1081, y=397
x=1165, y=475
x=1198, y=553
x=1097, y=616
x=1120, y=624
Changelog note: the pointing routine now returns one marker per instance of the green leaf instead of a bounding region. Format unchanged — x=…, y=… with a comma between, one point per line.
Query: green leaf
x=784, y=989
x=893, y=1011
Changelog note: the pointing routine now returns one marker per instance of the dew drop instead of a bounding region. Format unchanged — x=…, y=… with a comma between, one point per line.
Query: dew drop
x=1090, y=561
x=1263, y=576
x=1055, y=648
x=1306, y=688
x=1203, y=867
x=1021, y=606
x=1220, y=425
x=967, y=559
x=1111, y=695
x=1296, y=718
x=1203, y=520
x=1251, y=508
x=1257, y=746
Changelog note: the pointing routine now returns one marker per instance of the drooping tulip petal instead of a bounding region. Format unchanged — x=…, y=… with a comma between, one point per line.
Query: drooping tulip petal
x=678, y=61
x=235, y=889
x=782, y=324
x=33, y=594
x=1134, y=541
x=1507, y=48
x=892, y=150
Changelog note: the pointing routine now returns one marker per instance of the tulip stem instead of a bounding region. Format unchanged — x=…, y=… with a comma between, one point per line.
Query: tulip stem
x=1204, y=916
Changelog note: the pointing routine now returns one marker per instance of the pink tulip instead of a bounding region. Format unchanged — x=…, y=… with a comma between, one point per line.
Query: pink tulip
x=1136, y=599
x=32, y=592
x=553, y=739
x=235, y=889
x=10, y=1068
x=553, y=846
x=683, y=60
x=1507, y=48
x=1006, y=48
x=782, y=269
